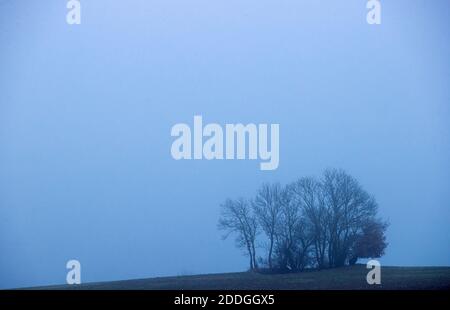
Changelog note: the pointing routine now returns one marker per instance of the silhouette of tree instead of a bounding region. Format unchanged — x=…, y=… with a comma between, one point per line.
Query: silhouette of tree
x=237, y=218
x=309, y=223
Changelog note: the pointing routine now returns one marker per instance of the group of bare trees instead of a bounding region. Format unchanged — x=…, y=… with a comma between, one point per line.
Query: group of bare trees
x=310, y=223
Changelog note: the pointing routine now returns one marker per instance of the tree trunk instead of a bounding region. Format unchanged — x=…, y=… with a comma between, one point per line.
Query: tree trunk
x=270, y=252
x=255, y=264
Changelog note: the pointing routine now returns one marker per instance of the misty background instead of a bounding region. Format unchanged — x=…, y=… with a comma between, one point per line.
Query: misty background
x=86, y=111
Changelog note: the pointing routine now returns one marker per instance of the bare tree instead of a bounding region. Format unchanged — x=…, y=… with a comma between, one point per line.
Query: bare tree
x=293, y=235
x=267, y=206
x=237, y=218
x=348, y=207
x=308, y=192
x=310, y=223
x=285, y=235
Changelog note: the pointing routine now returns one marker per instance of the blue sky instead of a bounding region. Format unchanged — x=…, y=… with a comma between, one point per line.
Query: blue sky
x=86, y=112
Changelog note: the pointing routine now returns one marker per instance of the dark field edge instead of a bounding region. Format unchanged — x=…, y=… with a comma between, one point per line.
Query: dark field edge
x=362, y=299
x=344, y=278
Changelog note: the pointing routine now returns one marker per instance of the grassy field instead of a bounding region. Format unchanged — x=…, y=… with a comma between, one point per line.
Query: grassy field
x=341, y=278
